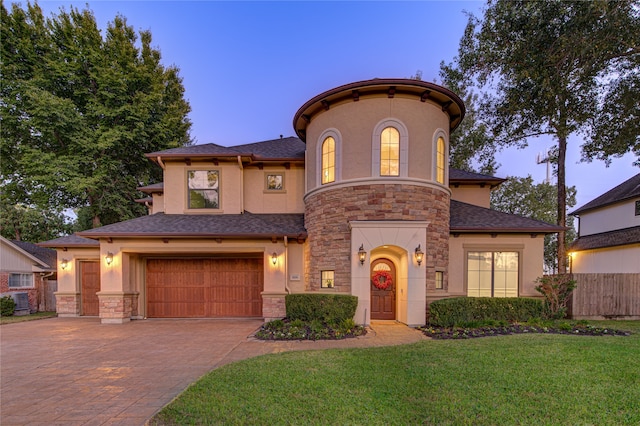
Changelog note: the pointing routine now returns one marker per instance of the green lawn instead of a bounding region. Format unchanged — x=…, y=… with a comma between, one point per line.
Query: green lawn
x=535, y=379
x=21, y=318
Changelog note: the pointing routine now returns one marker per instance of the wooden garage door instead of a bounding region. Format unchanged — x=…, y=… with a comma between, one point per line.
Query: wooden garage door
x=204, y=288
x=89, y=286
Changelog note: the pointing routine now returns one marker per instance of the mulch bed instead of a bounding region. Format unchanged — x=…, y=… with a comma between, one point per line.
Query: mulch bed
x=469, y=333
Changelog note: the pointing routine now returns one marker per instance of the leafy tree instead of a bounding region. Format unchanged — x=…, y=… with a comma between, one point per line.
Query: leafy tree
x=523, y=197
x=557, y=68
x=471, y=147
x=27, y=223
x=79, y=111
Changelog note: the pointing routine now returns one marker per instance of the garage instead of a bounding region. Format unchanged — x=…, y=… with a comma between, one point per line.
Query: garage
x=204, y=288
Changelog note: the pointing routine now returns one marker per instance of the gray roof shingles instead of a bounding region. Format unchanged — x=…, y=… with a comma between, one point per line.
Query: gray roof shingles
x=626, y=190
x=470, y=218
x=464, y=218
x=246, y=225
x=45, y=255
x=458, y=175
x=70, y=241
x=282, y=148
x=619, y=237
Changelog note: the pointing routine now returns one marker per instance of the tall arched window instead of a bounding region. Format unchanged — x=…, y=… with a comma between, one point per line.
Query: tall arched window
x=390, y=152
x=440, y=160
x=328, y=160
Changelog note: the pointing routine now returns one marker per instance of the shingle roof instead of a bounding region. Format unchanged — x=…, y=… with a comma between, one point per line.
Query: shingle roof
x=619, y=237
x=458, y=175
x=470, y=218
x=70, y=241
x=45, y=255
x=246, y=225
x=290, y=148
x=626, y=190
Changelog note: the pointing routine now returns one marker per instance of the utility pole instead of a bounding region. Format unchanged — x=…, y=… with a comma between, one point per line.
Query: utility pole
x=545, y=158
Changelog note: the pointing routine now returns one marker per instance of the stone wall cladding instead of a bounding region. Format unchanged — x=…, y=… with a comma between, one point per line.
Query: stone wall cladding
x=68, y=305
x=118, y=307
x=328, y=213
x=273, y=307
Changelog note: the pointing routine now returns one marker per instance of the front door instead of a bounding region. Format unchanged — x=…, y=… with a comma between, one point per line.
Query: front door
x=90, y=285
x=383, y=290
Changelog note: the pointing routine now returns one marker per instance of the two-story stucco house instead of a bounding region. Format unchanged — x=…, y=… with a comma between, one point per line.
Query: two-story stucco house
x=605, y=258
x=361, y=202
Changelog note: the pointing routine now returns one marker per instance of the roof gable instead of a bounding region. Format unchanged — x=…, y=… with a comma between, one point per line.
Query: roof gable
x=626, y=190
x=43, y=257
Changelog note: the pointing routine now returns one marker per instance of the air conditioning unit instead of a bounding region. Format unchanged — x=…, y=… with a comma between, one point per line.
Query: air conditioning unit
x=22, y=303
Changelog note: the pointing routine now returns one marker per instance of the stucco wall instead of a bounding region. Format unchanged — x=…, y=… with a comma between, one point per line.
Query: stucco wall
x=258, y=199
x=472, y=194
x=530, y=268
x=175, y=187
x=617, y=216
x=356, y=121
x=623, y=260
x=240, y=189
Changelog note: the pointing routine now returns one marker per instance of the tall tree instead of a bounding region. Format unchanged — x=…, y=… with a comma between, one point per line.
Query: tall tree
x=558, y=68
x=471, y=147
x=79, y=111
x=521, y=196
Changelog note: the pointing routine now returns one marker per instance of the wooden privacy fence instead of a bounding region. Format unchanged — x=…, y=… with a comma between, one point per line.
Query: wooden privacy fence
x=606, y=296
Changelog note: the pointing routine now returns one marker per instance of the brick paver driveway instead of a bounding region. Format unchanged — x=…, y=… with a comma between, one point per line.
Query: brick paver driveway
x=76, y=371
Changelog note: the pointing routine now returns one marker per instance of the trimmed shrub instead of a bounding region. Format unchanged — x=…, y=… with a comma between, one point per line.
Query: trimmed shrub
x=464, y=310
x=328, y=308
x=7, y=306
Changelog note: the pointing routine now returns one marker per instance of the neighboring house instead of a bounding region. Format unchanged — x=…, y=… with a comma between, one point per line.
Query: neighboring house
x=361, y=202
x=28, y=274
x=605, y=259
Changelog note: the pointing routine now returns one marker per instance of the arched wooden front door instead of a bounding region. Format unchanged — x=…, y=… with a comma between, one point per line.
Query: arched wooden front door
x=383, y=295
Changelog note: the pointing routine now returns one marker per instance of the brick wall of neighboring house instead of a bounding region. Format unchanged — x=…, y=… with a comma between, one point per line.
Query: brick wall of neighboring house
x=328, y=213
x=32, y=291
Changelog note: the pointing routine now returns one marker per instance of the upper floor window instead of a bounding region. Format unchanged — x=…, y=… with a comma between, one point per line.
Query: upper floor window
x=203, y=189
x=20, y=280
x=328, y=160
x=440, y=160
x=390, y=152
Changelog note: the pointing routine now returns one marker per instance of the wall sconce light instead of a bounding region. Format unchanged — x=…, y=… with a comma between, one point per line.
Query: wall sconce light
x=64, y=263
x=274, y=258
x=362, y=254
x=108, y=258
x=419, y=255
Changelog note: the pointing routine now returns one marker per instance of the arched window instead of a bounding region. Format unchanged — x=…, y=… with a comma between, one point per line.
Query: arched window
x=390, y=152
x=440, y=160
x=328, y=160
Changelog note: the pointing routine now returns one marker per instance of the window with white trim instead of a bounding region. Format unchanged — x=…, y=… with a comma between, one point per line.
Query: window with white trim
x=17, y=280
x=390, y=152
x=328, y=160
x=492, y=273
x=440, y=160
x=203, y=189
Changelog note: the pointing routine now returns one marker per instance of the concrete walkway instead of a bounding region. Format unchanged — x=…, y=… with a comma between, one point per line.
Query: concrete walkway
x=76, y=371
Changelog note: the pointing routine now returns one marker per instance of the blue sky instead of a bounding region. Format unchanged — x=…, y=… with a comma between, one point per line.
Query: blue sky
x=248, y=66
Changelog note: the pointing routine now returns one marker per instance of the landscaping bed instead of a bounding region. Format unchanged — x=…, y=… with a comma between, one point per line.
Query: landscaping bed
x=287, y=329
x=578, y=329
